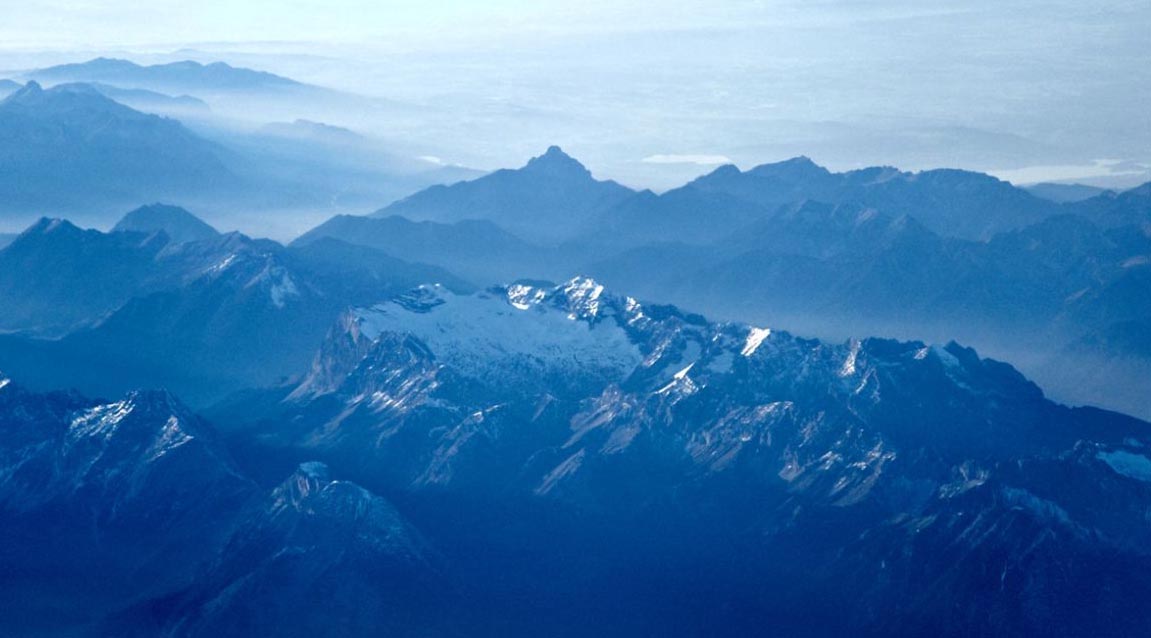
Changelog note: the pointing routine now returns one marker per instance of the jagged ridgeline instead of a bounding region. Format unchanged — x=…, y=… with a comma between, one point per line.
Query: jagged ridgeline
x=360, y=435
x=541, y=459
x=1056, y=288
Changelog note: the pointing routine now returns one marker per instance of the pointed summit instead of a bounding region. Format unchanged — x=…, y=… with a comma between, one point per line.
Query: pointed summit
x=796, y=168
x=556, y=162
x=725, y=170
x=548, y=200
x=47, y=225
x=30, y=90
x=180, y=225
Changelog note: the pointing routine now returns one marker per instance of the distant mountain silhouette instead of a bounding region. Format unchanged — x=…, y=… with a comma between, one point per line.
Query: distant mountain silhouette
x=1117, y=209
x=180, y=77
x=180, y=225
x=71, y=146
x=304, y=164
x=236, y=312
x=950, y=202
x=836, y=270
x=314, y=131
x=935, y=254
x=549, y=199
x=153, y=102
x=1063, y=193
x=554, y=199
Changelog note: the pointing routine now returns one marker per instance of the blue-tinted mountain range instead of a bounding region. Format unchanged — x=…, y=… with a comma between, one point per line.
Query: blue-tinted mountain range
x=535, y=402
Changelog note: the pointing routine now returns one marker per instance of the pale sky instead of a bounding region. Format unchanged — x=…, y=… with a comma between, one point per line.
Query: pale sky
x=1008, y=87
x=101, y=23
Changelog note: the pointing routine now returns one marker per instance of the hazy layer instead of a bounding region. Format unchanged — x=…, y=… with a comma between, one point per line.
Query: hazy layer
x=653, y=93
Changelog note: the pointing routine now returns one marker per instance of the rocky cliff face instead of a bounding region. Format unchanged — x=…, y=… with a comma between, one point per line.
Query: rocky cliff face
x=900, y=485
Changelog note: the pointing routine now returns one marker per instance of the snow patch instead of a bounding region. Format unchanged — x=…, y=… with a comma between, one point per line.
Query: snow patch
x=946, y=358
x=848, y=367
x=224, y=264
x=754, y=338
x=481, y=335
x=565, y=469
x=524, y=297
x=634, y=310
x=101, y=420
x=681, y=381
x=583, y=294
x=171, y=437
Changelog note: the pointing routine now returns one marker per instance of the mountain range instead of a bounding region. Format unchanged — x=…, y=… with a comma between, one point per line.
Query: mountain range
x=505, y=454
x=236, y=312
x=540, y=403
x=184, y=77
x=234, y=94
x=1063, y=193
x=132, y=520
x=546, y=200
x=71, y=147
x=931, y=255
x=78, y=150
x=1060, y=298
x=871, y=484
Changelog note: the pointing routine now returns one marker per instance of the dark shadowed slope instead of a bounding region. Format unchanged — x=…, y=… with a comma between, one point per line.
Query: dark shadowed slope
x=130, y=519
x=55, y=276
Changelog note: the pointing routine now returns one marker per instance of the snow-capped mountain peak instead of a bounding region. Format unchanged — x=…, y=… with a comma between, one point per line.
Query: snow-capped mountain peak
x=518, y=334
